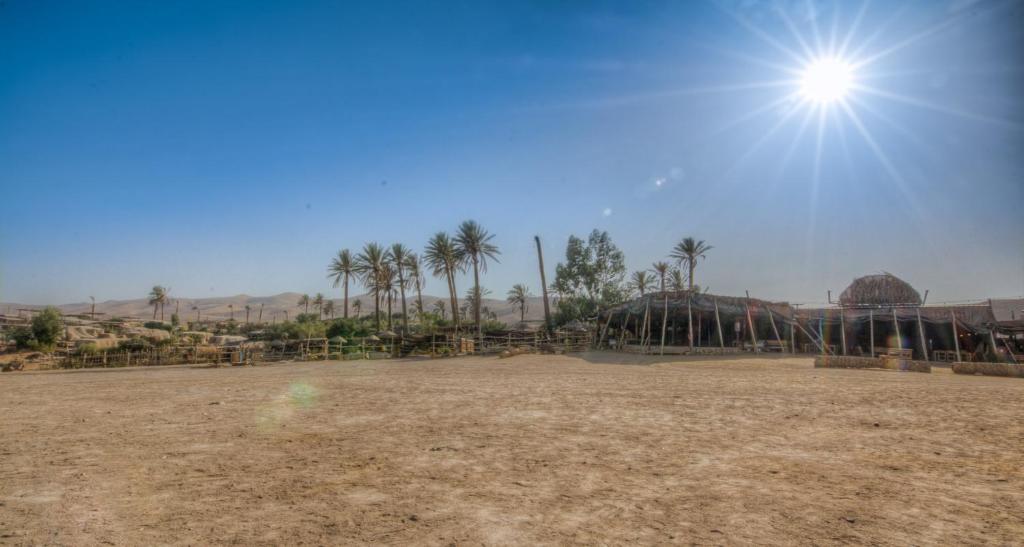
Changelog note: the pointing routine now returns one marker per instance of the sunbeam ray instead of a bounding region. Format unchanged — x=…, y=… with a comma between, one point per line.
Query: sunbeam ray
x=935, y=107
x=853, y=28
x=808, y=52
x=766, y=38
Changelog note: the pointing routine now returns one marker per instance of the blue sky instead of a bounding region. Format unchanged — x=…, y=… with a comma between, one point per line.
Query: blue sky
x=232, y=147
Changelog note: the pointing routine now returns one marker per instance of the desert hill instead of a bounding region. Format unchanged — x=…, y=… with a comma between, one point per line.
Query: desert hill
x=273, y=307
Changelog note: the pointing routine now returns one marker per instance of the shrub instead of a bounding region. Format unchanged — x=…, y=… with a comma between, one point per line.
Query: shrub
x=42, y=334
x=160, y=325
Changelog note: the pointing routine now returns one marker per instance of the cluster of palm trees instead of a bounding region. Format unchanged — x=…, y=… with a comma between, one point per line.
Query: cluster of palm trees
x=661, y=275
x=323, y=305
x=387, y=272
x=158, y=298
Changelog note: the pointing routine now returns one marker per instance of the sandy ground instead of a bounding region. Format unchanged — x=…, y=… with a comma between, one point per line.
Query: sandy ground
x=533, y=449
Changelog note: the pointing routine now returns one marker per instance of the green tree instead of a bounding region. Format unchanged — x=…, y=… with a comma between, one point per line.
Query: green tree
x=304, y=302
x=369, y=266
x=416, y=277
x=475, y=247
x=641, y=281
x=357, y=307
x=47, y=327
x=329, y=308
x=399, y=256
x=157, y=299
x=687, y=252
x=591, y=277
x=661, y=269
x=439, y=308
x=318, y=304
x=518, y=296
x=341, y=268
x=442, y=257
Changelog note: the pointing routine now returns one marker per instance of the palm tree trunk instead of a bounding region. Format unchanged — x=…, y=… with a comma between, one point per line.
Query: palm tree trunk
x=155, y=305
x=693, y=266
x=376, y=307
x=419, y=298
x=476, y=300
x=401, y=289
x=346, y=296
x=454, y=296
x=390, y=299
x=161, y=312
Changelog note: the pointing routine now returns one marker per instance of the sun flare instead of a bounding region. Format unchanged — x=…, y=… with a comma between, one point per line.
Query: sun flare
x=826, y=80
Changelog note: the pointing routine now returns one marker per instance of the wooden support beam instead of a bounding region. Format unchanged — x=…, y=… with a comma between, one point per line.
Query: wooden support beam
x=871, y=330
x=775, y=329
x=842, y=329
x=753, y=335
x=956, y=335
x=664, y=325
x=689, y=315
x=896, y=323
x=718, y=325
x=920, y=333
x=810, y=337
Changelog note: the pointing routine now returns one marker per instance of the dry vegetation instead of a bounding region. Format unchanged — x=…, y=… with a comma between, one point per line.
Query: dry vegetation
x=529, y=449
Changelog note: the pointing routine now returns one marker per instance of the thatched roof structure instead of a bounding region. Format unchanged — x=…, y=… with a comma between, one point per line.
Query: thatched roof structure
x=882, y=289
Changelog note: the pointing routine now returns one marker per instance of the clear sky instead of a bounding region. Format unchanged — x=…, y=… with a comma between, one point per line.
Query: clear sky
x=232, y=147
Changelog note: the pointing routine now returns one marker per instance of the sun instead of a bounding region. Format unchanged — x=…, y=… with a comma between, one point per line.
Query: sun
x=826, y=80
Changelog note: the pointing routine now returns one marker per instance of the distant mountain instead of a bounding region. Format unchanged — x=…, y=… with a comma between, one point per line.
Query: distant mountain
x=272, y=307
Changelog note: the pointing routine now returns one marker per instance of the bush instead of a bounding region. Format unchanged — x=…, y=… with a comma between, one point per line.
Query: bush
x=348, y=329
x=160, y=325
x=42, y=334
x=135, y=344
x=175, y=320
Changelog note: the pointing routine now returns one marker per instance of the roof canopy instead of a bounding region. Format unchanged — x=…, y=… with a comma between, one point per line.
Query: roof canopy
x=882, y=289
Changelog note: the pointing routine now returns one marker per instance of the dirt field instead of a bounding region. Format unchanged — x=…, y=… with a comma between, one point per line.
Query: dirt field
x=532, y=449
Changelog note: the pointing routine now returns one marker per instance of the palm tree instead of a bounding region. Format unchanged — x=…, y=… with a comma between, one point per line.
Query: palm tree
x=231, y=312
x=304, y=301
x=677, y=283
x=416, y=276
x=329, y=308
x=440, y=307
x=442, y=257
x=318, y=303
x=688, y=251
x=386, y=286
x=195, y=308
x=341, y=268
x=157, y=299
x=357, y=306
x=399, y=256
x=369, y=266
x=661, y=269
x=517, y=296
x=641, y=281
x=474, y=246
x=248, y=308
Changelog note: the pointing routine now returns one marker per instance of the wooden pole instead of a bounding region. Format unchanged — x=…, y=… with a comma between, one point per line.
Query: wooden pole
x=896, y=322
x=664, y=324
x=956, y=336
x=689, y=318
x=603, y=332
x=718, y=325
x=871, y=330
x=625, y=326
x=753, y=336
x=810, y=337
x=920, y=334
x=842, y=329
x=543, y=285
x=775, y=329
x=792, y=338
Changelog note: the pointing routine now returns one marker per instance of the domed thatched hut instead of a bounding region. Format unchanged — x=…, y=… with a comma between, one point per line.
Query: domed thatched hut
x=882, y=289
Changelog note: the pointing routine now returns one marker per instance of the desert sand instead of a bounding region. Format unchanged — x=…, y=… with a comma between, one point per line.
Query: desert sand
x=598, y=448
